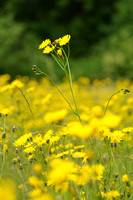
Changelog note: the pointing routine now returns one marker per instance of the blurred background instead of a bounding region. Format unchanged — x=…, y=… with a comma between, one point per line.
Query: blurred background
x=101, y=43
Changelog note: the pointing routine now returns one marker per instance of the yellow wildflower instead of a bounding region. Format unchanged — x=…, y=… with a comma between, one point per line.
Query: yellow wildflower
x=35, y=181
x=97, y=111
x=112, y=194
x=22, y=140
x=4, y=111
x=116, y=136
x=29, y=149
x=35, y=192
x=56, y=116
x=48, y=49
x=114, y=119
x=125, y=178
x=99, y=169
x=59, y=51
x=20, y=186
x=84, y=175
x=57, y=41
x=64, y=40
x=44, y=43
x=128, y=130
x=76, y=129
x=37, y=168
x=5, y=147
x=60, y=171
x=17, y=83
x=7, y=191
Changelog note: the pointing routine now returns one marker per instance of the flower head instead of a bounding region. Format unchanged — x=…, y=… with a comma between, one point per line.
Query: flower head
x=64, y=40
x=48, y=49
x=44, y=43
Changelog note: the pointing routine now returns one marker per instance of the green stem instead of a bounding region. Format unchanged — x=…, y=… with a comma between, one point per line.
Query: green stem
x=57, y=61
x=28, y=105
x=70, y=84
x=57, y=89
x=3, y=164
x=109, y=101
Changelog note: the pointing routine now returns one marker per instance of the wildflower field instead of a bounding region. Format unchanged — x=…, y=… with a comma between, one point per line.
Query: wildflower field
x=64, y=141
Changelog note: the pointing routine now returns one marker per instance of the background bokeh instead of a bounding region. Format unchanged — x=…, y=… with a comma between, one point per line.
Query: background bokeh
x=101, y=43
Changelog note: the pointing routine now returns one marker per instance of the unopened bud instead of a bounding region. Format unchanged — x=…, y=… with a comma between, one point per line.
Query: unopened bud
x=20, y=166
x=3, y=135
x=34, y=68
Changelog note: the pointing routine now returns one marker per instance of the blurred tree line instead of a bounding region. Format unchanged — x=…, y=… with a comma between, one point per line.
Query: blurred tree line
x=101, y=31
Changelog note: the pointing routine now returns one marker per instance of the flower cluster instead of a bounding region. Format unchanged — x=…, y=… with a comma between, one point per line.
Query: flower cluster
x=49, y=47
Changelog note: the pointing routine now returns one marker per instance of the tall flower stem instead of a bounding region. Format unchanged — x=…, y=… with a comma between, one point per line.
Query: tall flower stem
x=109, y=101
x=40, y=72
x=69, y=77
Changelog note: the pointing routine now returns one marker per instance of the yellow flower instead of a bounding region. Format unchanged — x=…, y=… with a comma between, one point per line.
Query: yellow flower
x=116, y=136
x=7, y=191
x=60, y=171
x=125, y=178
x=4, y=111
x=59, y=51
x=44, y=43
x=35, y=181
x=114, y=119
x=97, y=111
x=5, y=147
x=128, y=130
x=20, y=186
x=112, y=194
x=99, y=169
x=64, y=40
x=35, y=192
x=37, y=168
x=56, y=116
x=22, y=140
x=48, y=49
x=76, y=129
x=57, y=41
x=29, y=149
x=17, y=83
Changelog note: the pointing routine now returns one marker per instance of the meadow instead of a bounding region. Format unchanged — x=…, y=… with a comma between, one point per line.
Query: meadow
x=47, y=154
x=65, y=141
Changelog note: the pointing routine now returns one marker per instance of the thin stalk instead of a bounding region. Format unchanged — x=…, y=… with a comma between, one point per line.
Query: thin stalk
x=57, y=61
x=3, y=164
x=28, y=105
x=70, y=84
x=58, y=90
x=109, y=101
x=3, y=142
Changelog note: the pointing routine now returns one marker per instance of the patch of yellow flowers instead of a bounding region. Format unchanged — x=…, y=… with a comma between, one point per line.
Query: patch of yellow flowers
x=49, y=46
x=52, y=154
x=48, y=153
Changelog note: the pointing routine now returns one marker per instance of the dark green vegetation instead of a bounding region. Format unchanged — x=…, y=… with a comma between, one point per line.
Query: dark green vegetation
x=101, y=43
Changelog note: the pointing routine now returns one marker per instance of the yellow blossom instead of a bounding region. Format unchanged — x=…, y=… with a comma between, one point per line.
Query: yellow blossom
x=56, y=116
x=112, y=194
x=37, y=168
x=48, y=49
x=44, y=43
x=60, y=171
x=125, y=178
x=59, y=51
x=5, y=147
x=35, y=181
x=64, y=40
x=7, y=191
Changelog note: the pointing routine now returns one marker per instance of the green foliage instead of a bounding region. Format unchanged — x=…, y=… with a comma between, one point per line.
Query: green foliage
x=115, y=52
x=101, y=44
x=19, y=49
x=87, y=21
